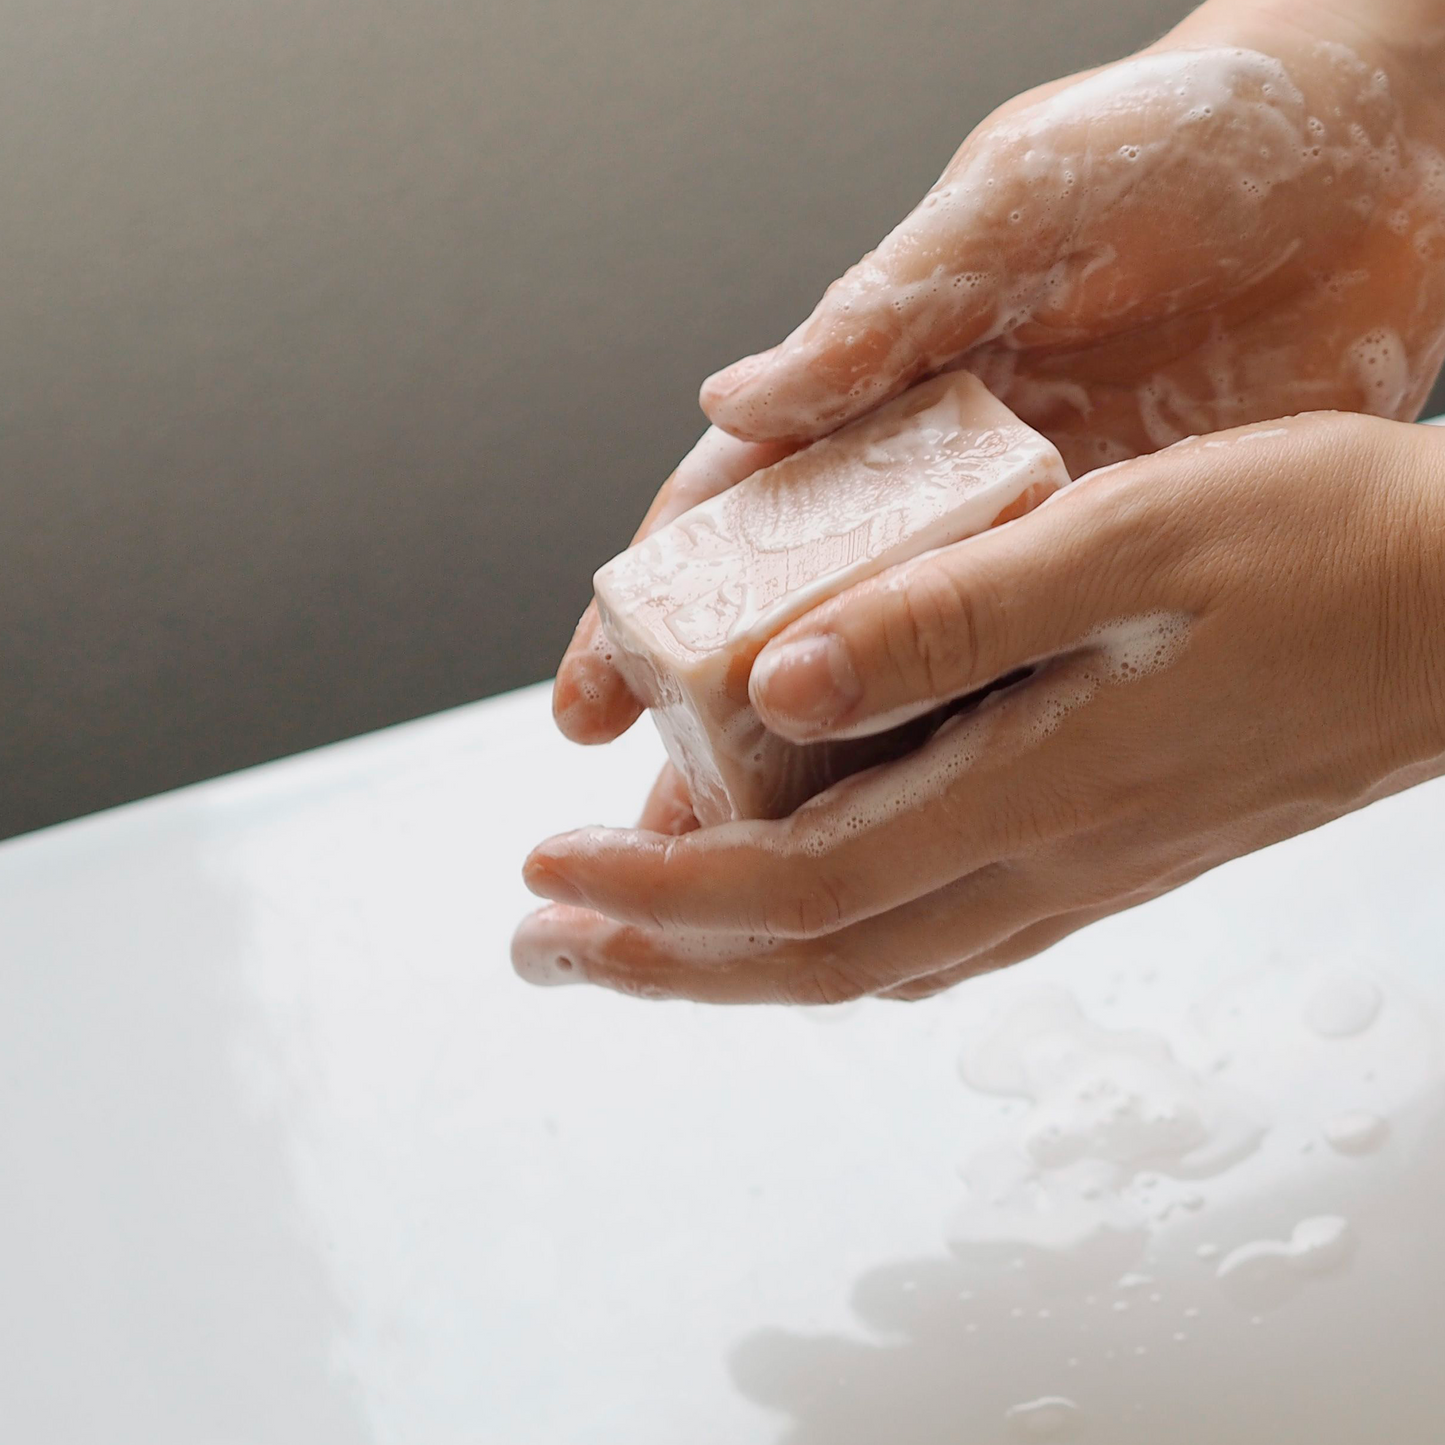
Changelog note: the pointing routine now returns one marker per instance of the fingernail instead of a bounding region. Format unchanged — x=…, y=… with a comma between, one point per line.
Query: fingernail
x=810, y=681
x=542, y=878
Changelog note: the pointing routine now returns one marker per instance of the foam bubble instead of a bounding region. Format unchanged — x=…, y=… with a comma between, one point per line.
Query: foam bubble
x=1381, y=367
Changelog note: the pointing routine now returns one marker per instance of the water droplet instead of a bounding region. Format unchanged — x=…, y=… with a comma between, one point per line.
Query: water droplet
x=1052, y=1418
x=1343, y=1006
x=1267, y=1272
x=1207, y=1251
x=1356, y=1132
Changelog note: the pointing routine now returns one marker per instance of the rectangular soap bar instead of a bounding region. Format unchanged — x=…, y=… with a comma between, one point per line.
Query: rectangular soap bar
x=689, y=608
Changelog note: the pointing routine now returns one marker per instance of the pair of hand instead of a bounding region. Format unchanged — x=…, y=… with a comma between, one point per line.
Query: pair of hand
x=1232, y=639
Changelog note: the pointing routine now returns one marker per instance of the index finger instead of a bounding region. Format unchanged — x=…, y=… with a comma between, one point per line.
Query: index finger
x=971, y=257
x=590, y=701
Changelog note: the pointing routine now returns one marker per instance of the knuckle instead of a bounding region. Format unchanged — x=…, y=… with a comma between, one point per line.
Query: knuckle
x=827, y=981
x=806, y=908
x=663, y=906
x=939, y=629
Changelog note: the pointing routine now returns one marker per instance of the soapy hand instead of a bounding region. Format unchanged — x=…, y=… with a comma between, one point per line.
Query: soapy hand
x=1228, y=642
x=1246, y=220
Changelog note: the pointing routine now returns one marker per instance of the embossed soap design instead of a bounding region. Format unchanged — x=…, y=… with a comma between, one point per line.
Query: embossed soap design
x=689, y=608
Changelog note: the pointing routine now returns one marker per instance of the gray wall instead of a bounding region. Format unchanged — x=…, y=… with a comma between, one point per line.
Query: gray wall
x=341, y=339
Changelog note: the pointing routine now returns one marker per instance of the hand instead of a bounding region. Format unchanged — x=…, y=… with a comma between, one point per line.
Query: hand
x=1244, y=221
x=1191, y=239
x=1232, y=641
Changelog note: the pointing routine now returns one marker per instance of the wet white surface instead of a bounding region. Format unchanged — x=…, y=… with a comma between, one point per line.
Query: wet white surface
x=289, y=1154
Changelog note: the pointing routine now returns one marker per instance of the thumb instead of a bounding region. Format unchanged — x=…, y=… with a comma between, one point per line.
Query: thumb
x=939, y=627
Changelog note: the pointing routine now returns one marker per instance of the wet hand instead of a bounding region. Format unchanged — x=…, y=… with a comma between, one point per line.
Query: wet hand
x=1230, y=642
x=1245, y=221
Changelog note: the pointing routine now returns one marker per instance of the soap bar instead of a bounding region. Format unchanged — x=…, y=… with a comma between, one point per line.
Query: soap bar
x=689, y=608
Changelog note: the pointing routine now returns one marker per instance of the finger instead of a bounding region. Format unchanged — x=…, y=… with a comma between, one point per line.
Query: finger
x=572, y=945
x=1025, y=944
x=668, y=809
x=997, y=784
x=590, y=701
x=954, y=620
x=1044, y=230
x=929, y=292
x=955, y=272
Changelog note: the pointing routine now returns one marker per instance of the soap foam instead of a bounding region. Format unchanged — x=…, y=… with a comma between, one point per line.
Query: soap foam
x=1115, y=1125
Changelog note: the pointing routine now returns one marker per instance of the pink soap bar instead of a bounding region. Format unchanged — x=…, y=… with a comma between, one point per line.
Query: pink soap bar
x=689, y=608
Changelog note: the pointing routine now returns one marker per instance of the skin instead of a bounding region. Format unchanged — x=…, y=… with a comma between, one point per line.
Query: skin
x=1302, y=570
x=1301, y=564
x=1218, y=327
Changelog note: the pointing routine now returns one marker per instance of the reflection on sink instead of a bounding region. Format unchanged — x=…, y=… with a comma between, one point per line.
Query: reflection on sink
x=1152, y=1249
